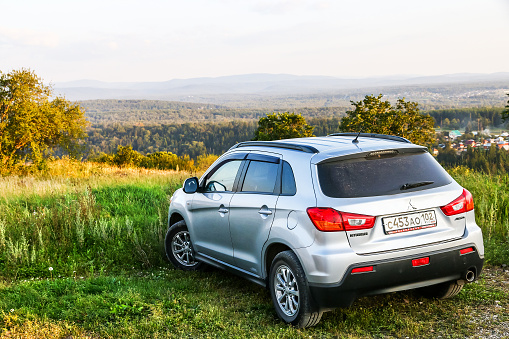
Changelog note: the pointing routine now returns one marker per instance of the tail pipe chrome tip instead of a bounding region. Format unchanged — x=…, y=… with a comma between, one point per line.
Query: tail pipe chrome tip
x=470, y=276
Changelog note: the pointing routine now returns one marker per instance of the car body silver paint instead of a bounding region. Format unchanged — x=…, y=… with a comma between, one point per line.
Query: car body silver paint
x=326, y=256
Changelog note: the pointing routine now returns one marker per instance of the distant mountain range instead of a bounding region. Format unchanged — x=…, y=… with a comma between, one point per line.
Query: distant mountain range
x=221, y=90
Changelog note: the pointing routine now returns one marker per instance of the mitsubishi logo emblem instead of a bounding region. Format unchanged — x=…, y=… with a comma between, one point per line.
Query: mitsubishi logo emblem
x=410, y=206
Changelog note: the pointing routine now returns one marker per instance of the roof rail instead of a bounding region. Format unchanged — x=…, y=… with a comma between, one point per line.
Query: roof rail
x=371, y=135
x=296, y=147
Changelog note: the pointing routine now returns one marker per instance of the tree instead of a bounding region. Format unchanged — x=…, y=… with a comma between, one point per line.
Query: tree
x=32, y=126
x=505, y=113
x=277, y=126
x=126, y=157
x=372, y=115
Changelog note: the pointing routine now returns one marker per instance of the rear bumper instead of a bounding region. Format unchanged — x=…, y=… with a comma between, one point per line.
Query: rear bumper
x=396, y=275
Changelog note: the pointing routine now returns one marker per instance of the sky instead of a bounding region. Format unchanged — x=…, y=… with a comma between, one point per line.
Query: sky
x=160, y=40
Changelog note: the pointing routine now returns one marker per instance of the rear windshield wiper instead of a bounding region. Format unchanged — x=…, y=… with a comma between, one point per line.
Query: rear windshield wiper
x=408, y=186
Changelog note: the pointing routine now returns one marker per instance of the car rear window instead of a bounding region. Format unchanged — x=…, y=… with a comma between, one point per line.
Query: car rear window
x=384, y=175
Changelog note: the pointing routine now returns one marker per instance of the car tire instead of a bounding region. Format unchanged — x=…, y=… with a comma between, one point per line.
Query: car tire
x=179, y=248
x=290, y=293
x=441, y=291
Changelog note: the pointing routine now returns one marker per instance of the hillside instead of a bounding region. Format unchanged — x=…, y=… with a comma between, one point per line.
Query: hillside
x=159, y=112
x=291, y=91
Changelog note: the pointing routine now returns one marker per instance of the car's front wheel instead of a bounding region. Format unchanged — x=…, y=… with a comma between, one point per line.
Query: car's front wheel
x=179, y=248
x=290, y=292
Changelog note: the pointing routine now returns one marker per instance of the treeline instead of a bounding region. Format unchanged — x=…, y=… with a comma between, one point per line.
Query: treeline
x=102, y=112
x=157, y=112
x=473, y=119
x=192, y=139
x=125, y=156
x=491, y=161
x=207, y=137
x=187, y=146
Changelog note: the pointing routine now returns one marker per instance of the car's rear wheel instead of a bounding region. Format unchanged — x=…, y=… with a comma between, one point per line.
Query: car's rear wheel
x=290, y=292
x=179, y=248
x=441, y=291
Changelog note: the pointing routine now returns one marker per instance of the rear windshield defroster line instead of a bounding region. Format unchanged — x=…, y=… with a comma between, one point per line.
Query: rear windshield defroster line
x=364, y=177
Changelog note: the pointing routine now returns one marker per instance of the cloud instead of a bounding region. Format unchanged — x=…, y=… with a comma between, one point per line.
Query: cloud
x=27, y=37
x=113, y=45
x=287, y=6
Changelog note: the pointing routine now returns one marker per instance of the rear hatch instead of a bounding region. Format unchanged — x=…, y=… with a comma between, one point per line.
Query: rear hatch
x=403, y=189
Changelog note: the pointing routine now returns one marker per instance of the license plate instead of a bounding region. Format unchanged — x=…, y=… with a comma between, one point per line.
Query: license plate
x=409, y=222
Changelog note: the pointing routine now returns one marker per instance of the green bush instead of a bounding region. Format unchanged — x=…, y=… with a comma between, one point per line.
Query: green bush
x=127, y=157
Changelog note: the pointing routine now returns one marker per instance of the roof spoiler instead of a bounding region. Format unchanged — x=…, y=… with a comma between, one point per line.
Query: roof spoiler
x=370, y=135
x=295, y=147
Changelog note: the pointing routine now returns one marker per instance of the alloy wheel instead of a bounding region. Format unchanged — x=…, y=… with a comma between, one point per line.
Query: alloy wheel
x=286, y=290
x=182, y=249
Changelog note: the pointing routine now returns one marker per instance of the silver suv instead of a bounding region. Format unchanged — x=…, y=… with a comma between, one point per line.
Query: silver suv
x=321, y=221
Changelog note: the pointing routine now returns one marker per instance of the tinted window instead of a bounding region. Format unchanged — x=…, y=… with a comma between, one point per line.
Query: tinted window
x=364, y=177
x=260, y=177
x=288, y=180
x=224, y=177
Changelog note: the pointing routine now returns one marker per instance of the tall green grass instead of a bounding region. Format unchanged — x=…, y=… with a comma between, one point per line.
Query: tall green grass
x=115, y=221
x=491, y=204
x=85, y=225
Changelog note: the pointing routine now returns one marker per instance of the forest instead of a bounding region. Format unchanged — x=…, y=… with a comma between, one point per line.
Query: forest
x=191, y=139
x=193, y=129
x=491, y=161
x=175, y=112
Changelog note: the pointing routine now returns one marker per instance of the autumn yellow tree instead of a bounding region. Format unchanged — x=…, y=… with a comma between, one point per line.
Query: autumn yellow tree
x=33, y=123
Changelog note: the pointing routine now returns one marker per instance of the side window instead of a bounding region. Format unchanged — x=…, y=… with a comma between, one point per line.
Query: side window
x=224, y=177
x=260, y=177
x=288, y=180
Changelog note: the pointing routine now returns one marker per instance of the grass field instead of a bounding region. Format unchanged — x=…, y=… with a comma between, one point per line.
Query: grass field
x=101, y=231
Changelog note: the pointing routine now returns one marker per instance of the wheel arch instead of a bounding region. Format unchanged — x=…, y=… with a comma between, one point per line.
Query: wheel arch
x=270, y=253
x=174, y=217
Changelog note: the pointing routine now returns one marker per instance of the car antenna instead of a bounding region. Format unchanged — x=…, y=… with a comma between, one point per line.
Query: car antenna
x=355, y=141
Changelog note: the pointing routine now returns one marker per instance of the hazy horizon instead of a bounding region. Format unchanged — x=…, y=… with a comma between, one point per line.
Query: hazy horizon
x=388, y=76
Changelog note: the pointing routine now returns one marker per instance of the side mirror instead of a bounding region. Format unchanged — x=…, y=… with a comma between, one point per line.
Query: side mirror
x=190, y=185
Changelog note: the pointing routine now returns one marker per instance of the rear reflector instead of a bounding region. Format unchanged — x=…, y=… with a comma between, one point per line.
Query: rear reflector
x=362, y=269
x=420, y=262
x=466, y=250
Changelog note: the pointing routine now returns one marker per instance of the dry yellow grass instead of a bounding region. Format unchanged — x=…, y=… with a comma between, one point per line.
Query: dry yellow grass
x=67, y=175
x=14, y=327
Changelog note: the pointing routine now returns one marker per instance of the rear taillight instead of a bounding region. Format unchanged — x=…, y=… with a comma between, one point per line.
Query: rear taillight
x=355, y=222
x=327, y=219
x=462, y=204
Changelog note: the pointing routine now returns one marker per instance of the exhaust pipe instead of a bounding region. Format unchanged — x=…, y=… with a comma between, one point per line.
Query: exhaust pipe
x=470, y=276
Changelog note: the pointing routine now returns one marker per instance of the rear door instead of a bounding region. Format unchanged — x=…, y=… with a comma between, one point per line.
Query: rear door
x=252, y=210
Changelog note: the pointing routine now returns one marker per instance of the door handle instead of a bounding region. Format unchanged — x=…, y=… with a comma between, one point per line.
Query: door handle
x=222, y=210
x=265, y=212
